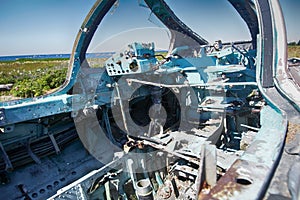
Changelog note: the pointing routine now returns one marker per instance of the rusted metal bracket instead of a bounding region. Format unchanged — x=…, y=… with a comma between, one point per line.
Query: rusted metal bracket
x=207, y=171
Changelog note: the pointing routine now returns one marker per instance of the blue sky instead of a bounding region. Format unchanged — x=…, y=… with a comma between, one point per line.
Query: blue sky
x=50, y=26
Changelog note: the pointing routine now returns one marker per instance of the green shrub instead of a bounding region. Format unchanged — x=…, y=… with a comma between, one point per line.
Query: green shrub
x=32, y=78
x=39, y=83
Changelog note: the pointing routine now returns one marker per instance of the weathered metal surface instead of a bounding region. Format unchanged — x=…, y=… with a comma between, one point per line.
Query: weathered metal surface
x=285, y=84
x=169, y=123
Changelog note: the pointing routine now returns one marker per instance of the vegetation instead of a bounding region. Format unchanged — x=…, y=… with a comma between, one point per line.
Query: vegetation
x=293, y=51
x=24, y=60
x=294, y=43
x=32, y=78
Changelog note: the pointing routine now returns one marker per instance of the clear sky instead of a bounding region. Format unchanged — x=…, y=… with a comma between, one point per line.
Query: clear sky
x=50, y=26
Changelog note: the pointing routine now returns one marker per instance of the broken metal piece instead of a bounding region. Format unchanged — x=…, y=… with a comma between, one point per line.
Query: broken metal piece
x=32, y=155
x=54, y=143
x=207, y=171
x=8, y=164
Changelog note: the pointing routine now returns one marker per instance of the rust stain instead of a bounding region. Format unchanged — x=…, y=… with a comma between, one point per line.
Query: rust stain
x=226, y=187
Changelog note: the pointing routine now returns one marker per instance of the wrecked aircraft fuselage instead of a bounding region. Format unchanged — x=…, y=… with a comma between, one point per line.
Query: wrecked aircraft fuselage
x=204, y=121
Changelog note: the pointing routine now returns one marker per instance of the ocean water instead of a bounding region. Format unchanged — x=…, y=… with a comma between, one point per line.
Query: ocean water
x=45, y=56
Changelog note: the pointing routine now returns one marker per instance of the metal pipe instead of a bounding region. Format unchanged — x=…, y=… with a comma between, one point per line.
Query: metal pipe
x=9, y=166
x=192, y=85
x=130, y=166
x=144, y=189
x=107, y=190
x=122, y=109
x=158, y=179
x=250, y=127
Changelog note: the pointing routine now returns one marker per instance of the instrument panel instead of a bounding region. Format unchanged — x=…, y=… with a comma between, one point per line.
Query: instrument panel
x=135, y=58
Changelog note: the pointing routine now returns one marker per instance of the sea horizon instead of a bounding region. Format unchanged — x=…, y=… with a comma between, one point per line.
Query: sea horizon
x=59, y=55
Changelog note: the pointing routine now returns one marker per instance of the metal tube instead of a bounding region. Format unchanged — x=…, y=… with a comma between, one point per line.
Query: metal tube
x=122, y=109
x=193, y=85
x=144, y=189
x=107, y=190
